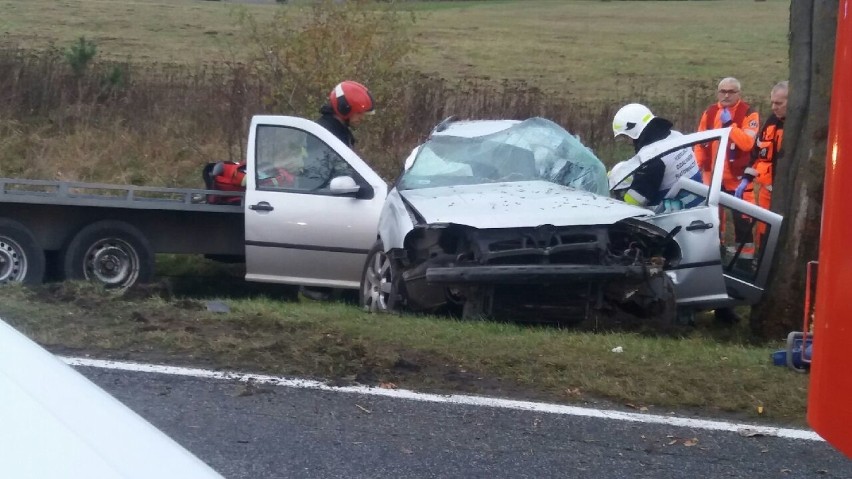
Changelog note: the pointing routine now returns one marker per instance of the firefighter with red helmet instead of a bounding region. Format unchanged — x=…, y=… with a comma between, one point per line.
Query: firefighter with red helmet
x=348, y=103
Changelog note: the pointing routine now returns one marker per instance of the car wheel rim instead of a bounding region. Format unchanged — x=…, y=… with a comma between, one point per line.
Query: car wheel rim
x=378, y=284
x=13, y=262
x=112, y=262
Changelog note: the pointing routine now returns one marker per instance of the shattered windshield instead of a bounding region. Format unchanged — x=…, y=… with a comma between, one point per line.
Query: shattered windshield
x=534, y=149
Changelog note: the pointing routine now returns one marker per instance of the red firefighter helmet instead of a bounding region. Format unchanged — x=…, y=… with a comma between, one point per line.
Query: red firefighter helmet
x=350, y=97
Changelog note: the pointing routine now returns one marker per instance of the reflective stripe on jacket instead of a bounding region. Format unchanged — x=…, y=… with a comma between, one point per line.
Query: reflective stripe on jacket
x=678, y=164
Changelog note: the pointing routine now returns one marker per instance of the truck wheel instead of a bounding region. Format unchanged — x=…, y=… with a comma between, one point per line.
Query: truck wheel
x=382, y=290
x=112, y=253
x=21, y=260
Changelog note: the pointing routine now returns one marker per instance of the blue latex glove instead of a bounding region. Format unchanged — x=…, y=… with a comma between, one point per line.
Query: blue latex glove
x=725, y=116
x=741, y=189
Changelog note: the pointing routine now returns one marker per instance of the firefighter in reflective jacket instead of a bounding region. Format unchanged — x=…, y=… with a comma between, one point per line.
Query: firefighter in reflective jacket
x=766, y=152
x=731, y=111
x=652, y=180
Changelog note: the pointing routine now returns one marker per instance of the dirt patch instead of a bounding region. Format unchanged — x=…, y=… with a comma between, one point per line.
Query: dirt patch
x=67, y=293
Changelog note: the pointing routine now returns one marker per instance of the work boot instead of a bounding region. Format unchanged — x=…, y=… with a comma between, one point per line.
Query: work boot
x=726, y=316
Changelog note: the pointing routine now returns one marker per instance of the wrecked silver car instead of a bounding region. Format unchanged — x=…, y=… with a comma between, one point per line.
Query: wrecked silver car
x=494, y=218
x=505, y=218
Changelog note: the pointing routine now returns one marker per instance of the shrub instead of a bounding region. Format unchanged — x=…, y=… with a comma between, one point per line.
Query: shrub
x=80, y=55
x=302, y=52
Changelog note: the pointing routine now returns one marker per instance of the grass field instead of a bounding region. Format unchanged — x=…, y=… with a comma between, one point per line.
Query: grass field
x=583, y=49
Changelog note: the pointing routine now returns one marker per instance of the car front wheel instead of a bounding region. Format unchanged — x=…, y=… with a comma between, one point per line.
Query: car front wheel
x=381, y=282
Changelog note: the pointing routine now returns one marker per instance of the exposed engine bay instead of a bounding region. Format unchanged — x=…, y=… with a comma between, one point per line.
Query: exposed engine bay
x=546, y=273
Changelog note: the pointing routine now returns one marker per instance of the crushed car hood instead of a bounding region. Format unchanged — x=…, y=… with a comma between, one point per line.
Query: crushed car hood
x=517, y=204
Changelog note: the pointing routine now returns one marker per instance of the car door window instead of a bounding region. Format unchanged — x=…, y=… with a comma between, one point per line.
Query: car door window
x=747, y=259
x=297, y=161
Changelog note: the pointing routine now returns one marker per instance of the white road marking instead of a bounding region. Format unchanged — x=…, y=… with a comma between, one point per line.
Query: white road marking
x=742, y=429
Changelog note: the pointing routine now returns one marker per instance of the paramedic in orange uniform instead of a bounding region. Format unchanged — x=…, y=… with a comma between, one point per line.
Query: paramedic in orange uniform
x=766, y=153
x=731, y=111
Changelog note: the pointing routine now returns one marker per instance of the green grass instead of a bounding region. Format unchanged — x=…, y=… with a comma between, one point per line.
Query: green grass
x=588, y=49
x=339, y=342
x=606, y=49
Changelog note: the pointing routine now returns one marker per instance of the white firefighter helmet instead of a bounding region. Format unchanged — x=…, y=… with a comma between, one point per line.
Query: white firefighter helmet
x=631, y=119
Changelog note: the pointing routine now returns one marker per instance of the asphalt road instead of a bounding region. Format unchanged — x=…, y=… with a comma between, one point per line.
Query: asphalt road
x=272, y=432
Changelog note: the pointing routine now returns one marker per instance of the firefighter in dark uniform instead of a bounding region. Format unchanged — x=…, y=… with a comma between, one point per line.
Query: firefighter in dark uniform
x=348, y=103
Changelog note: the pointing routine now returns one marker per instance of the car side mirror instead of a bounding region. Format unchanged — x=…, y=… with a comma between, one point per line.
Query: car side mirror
x=343, y=185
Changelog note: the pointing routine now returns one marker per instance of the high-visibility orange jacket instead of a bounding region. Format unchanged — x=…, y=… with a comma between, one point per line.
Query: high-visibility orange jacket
x=744, y=125
x=767, y=151
x=232, y=177
x=276, y=178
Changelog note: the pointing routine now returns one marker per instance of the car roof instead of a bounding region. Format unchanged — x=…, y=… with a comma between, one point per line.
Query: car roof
x=473, y=128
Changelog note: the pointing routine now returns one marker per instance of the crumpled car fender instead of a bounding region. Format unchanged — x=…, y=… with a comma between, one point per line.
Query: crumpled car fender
x=395, y=221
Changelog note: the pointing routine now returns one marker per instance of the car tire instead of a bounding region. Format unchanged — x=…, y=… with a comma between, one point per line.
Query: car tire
x=112, y=253
x=652, y=308
x=21, y=259
x=665, y=312
x=382, y=290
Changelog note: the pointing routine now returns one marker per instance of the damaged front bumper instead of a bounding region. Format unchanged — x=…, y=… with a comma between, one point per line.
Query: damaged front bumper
x=550, y=273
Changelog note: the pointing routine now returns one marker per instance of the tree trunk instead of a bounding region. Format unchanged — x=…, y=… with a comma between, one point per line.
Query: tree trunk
x=798, y=183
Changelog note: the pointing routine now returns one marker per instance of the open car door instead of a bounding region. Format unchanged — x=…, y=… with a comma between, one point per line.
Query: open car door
x=312, y=205
x=715, y=268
